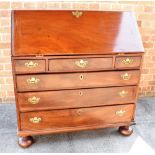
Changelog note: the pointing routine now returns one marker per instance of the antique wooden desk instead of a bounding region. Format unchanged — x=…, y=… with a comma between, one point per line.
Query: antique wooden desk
x=74, y=70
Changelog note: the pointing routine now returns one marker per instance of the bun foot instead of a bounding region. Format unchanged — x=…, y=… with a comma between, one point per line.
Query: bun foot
x=25, y=142
x=125, y=130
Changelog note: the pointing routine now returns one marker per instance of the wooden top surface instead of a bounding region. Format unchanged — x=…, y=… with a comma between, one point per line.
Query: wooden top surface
x=61, y=32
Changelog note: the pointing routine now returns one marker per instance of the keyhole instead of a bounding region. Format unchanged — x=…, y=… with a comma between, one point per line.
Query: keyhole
x=80, y=93
x=81, y=77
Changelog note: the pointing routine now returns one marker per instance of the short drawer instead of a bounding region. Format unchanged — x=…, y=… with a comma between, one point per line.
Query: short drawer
x=76, y=98
x=128, y=62
x=76, y=80
x=29, y=66
x=76, y=118
x=86, y=64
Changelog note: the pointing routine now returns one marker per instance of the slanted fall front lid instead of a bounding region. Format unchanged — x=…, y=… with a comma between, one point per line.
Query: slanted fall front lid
x=72, y=32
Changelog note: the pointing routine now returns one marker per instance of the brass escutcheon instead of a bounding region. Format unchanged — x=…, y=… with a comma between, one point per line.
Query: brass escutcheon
x=81, y=63
x=80, y=93
x=126, y=76
x=35, y=120
x=123, y=93
x=33, y=80
x=81, y=77
x=79, y=112
x=31, y=64
x=127, y=61
x=34, y=100
x=77, y=14
x=120, y=113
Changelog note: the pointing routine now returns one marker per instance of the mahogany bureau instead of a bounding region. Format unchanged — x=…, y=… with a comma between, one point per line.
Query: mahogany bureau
x=74, y=70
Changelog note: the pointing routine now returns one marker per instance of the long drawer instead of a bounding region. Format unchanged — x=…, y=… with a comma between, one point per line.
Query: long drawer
x=32, y=101
x=72, y=118
x=76, y=80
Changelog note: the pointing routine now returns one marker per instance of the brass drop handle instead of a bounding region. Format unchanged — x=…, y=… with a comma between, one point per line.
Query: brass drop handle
x=35, y=120
x=126, y=76
x=33, y=80
x=31, y=64
x=123, y=93
x=34, y=100
x=77, y=14
x=81, y=63
x=120, y=113
x=127, y=61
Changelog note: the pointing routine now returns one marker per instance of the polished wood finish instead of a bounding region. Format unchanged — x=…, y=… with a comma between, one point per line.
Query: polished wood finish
x=79, y=80
x=25, y=142
x=74, y=70
x=29, y=66
x=125, y=130
x=95, y=32
x=87, y=64
x=76, y=117
x=76, y=98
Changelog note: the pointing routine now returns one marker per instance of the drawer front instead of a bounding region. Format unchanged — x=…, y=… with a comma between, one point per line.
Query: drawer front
x=29, y=66
x=70, y=65
x=76, y=80
x=128, y=62
x=72, y=118
x=76, y=98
